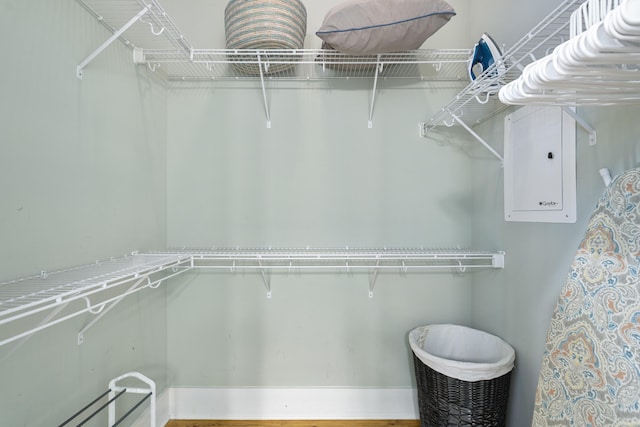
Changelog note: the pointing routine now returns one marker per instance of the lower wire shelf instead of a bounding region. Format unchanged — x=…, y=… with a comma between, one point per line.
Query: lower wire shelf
x=341, y=259
x=31, y=304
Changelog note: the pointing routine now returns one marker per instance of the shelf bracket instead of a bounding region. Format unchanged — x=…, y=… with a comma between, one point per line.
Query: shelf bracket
x=144, y=280
x=24, y=337
x=265, y=279
x=104, y=310
x=264, y=91
x=583, y=124
x=476, y=136
x=372, y=279
x=497, y=260
x=110, y=40
x=379, y=69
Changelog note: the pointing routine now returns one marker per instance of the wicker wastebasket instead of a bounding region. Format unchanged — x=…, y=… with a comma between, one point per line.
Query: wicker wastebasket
x=266, y=25
x=462, y=374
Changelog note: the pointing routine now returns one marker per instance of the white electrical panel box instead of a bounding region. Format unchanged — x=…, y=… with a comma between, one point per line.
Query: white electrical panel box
x=540, y=165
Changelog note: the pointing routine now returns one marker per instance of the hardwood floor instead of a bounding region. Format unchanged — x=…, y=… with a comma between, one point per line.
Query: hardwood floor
x=293, y=423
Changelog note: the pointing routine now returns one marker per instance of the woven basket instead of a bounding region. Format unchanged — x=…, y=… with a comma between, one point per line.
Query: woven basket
x=445, y=401
x=264, y=24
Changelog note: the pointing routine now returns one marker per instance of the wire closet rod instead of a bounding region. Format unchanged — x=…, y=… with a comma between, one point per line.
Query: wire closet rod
x=337, y=258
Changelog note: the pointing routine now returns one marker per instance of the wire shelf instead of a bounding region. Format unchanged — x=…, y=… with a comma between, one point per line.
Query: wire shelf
x=51, y=298
x=306, y=65
x=478, y=101
x=157, y=42
x=145, y=27
x=90, y=288
x=61, y=286
x=343, y=259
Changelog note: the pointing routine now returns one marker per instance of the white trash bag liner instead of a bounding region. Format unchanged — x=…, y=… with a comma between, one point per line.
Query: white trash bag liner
x=462, y=353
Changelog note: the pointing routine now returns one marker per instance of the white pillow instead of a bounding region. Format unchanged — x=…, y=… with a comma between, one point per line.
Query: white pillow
x=362, y=27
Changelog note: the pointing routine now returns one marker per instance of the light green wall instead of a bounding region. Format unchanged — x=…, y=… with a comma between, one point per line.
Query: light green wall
x=316, y=331
x=507, y=21
x=517, y=303
x=82, y=177
x=318, y=177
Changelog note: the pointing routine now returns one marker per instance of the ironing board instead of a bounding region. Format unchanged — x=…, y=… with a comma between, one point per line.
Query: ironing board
x=590, y=373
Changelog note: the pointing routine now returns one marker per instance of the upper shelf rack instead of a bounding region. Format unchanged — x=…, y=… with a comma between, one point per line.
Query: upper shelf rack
x=53, y=297
x=444, y=65
x=478, y=101
x=145, y=27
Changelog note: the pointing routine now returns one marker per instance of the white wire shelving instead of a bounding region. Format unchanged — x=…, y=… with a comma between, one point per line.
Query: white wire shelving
x=53, y=297
x=156, y=42
x=31, y=304
x=478, y=101
x=146, y=28
x=307, y=65
x=598, y=65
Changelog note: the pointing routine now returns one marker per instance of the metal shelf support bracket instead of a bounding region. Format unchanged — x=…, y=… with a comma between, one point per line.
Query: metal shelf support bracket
x=583, y=124
x=110, y=40
x=478, y=137
x=265, y=279
x=498, y=260
x=379, y=69
x=372, y=279
x=103, y=311
x=264, y=91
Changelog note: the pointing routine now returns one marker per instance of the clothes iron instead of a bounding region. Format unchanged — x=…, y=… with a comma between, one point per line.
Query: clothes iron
x=485, y=53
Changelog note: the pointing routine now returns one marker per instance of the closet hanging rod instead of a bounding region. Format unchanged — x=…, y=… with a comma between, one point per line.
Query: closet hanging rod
x=597, y=66
x=546, y=35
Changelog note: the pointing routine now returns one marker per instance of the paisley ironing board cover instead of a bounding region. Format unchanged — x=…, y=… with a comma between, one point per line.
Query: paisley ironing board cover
x=590, y=373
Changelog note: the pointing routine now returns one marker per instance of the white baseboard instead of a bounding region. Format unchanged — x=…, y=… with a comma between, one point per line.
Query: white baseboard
x=283, y=403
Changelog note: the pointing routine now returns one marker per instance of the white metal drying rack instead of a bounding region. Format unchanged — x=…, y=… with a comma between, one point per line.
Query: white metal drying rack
x=51, y=298
x=478, y=101
x=161, y=46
